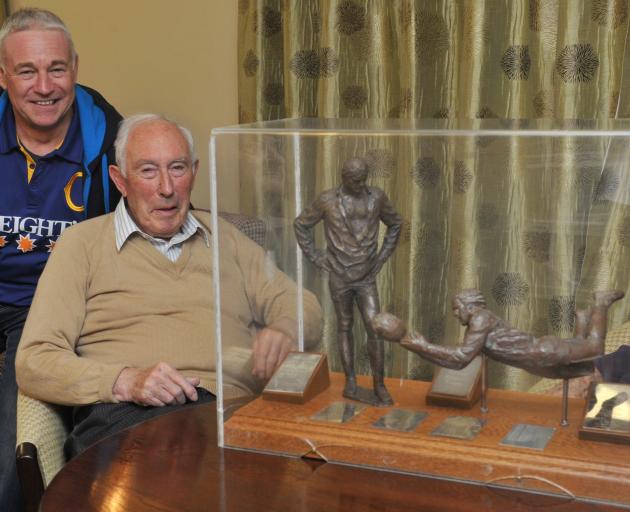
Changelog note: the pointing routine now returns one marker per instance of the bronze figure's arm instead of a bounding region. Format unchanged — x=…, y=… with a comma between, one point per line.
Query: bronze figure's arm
x=392, y=329
x=455, y=358
x=393, y=221
x=303, y=227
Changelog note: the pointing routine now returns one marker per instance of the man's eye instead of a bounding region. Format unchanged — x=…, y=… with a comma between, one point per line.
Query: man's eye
x=178, y=170
x=148, y=173
x=58, y=72
x=26, y=74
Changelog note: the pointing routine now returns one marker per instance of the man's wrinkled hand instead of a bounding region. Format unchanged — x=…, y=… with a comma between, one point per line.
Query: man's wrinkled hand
x=270, y=349
x=156, y=386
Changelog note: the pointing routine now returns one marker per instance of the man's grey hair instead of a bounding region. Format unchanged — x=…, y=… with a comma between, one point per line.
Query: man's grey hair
x=32, y=18
x=128, y=125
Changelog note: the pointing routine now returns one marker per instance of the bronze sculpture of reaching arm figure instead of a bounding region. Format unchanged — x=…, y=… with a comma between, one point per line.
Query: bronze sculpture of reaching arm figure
x=546, y=356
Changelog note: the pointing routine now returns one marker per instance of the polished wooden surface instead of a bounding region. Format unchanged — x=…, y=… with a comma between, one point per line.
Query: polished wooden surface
x=172, y=464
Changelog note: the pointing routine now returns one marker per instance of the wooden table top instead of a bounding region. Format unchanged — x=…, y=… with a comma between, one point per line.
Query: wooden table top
x=173, y=463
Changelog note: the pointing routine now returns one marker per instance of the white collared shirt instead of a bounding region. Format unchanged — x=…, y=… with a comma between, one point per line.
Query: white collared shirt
x=125, y=226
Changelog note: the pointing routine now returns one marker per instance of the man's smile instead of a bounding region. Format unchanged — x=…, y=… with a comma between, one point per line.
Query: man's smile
x=44, y=102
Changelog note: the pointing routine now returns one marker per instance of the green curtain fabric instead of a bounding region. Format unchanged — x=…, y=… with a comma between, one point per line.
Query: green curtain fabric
x=536, y=224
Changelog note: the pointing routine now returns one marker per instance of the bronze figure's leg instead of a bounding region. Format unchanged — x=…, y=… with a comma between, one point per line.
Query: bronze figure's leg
x=369, y=307
x=593, y=345
x=599, y=316
x=582, y=322
x=343, y=309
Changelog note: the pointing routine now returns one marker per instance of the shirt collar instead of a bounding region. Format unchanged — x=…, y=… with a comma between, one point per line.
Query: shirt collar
x=125, y=226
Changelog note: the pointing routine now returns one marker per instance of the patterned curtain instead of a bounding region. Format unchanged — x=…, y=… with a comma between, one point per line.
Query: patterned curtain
x=537, y=224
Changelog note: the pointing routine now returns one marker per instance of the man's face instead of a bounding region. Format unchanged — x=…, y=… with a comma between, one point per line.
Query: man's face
x=39, y=75
x=461, y=312
x=160, y=177
x=354, y=176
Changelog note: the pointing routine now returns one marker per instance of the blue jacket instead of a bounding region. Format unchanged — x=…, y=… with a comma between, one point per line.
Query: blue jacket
x=99, y=126
x=615, y=367
x=32, y=212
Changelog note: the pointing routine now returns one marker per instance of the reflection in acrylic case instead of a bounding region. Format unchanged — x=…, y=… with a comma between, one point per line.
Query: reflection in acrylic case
x=607, y=414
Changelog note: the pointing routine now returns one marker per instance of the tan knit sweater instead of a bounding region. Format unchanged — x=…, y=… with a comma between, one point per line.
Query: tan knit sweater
x=97, y=311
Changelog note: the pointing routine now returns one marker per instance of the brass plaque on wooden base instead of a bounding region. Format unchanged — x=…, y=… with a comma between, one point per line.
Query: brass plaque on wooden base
x=456, y=388
x=528, y=436
x=607, y=413
x=300, y=377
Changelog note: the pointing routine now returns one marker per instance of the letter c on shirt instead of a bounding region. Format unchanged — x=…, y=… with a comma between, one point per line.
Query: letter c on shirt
x=68, y=189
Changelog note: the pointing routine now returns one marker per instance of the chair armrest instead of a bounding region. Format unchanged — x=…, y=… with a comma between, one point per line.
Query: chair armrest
x=30, y=476
x=46, y=427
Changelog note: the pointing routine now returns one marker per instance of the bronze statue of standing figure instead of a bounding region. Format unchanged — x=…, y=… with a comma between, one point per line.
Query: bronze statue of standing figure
x=352, y=214
x=546, y=356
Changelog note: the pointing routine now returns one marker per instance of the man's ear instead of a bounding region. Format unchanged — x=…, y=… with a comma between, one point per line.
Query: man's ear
x=3, y=78
x=119, y=180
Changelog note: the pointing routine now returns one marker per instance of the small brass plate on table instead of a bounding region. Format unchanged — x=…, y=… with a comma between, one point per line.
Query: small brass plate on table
x=401, y=420
x=339, y=412
x=459, y=427
x=528, y=436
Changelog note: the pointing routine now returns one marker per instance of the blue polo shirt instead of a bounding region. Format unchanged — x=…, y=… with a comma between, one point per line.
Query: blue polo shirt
x=40, y=196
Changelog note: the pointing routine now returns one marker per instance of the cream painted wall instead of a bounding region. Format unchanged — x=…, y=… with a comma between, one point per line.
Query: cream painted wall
x=174, y=58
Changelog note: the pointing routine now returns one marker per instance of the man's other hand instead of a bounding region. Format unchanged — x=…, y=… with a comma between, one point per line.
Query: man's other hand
x=157, y=385
x=270, y=349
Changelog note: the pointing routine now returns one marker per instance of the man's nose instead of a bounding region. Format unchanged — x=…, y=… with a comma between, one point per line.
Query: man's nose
x=43, y=83
x=166, y=183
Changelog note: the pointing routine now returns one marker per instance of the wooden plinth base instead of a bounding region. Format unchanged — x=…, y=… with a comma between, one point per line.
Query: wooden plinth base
x=568, y=466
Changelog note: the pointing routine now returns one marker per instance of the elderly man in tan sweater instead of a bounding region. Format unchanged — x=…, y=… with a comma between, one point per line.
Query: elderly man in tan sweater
x=122, y=317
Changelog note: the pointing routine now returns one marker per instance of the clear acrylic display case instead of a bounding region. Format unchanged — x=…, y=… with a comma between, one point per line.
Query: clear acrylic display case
x=535, y=214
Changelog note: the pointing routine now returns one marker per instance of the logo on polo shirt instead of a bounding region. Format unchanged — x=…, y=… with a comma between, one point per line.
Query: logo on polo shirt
x=68, y=189
x=32, y=232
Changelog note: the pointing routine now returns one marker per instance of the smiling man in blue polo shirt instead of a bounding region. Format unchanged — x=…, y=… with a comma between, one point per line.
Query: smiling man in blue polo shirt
x=56, y=142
